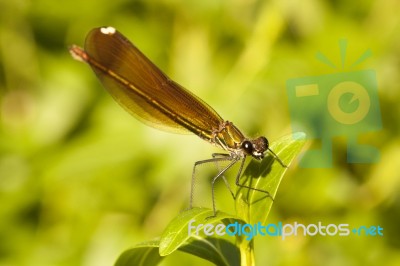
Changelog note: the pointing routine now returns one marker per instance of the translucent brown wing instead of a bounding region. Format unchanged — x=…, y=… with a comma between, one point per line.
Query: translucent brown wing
x=143, y=89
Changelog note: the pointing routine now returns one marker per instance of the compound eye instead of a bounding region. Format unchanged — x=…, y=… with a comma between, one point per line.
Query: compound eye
x=247, y=146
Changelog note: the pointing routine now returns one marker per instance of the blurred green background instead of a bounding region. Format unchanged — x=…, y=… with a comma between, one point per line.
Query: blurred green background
x=81, y=180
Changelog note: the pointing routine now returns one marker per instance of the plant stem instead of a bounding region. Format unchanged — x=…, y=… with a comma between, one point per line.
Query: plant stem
x=246, y=252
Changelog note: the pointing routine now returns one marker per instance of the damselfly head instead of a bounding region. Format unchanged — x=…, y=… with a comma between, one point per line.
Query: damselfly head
x=256, y=147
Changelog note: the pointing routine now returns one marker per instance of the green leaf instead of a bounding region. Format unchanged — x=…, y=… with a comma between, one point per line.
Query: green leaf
x=253, y=206
x=177, y=232
x=216, y=250
x=145, y=254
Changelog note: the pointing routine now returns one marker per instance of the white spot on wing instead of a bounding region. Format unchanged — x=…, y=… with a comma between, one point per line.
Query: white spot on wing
x=108, y=30
x=78, y=54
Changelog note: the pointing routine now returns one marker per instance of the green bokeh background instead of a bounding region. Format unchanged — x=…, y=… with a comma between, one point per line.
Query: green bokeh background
x=81, y=180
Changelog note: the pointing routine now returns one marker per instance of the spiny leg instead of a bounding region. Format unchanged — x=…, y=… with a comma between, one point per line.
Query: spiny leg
x=277, y=158
x=213, y=160
x=245, y=186
x=233, y=161
x=224, y=155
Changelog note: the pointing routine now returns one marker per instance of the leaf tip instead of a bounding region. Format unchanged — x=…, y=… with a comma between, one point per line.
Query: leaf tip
x=299, y=136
